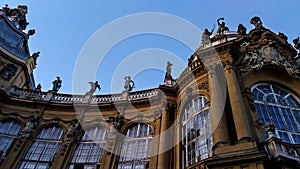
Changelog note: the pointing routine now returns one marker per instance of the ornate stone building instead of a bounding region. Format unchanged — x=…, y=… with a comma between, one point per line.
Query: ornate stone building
x=236, y=105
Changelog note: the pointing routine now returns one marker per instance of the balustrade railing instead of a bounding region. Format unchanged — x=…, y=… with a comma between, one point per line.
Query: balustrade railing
x=68, y=98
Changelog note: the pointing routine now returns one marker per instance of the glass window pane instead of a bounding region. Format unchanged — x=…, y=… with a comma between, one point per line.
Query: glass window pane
x=196, y=129
x=279, y=107
x=135, y=149
x=43, y=149
x=90, y=148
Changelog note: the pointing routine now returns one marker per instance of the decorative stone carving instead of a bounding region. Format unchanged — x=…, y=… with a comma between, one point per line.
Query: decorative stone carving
x=8, y=71
x=17, y=16
x=256, y=22
x=297, y=45
x=270, y=129
x=252, y=60
x=31, y=124
x=292, y=68
x=283, y=36
x=271, y=55
x=35, y=56
x=72, y=130
x=117, y=122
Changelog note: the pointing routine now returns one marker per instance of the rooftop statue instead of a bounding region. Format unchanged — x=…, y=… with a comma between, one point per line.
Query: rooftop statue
x=38, y=87
x=17, y=16
x=256, y=22
x=94, y=87
x=35, y=56
x=242, y=30
x=129, y=84
x=297, y=45
x=221, y=26
x=206, y=34
x=56, y=84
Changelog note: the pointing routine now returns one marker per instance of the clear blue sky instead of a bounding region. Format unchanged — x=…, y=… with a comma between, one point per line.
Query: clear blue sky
x=64, y=26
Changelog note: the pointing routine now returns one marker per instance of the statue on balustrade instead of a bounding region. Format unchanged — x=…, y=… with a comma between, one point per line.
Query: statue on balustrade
x=94, y=87
x=56, y=84
x=129, y=84
x=221, y=27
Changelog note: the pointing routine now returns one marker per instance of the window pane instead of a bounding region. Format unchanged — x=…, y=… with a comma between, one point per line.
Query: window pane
x=9, y=130
x=196, y=132
x=89, y=149
x=279, y=107
x=43, y=149
x=136, y=147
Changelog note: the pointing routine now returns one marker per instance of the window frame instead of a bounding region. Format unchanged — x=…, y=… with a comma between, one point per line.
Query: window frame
x=266, y=110
x=133, y=143
x=196, y=107
x=39, y=140
x=83, y=141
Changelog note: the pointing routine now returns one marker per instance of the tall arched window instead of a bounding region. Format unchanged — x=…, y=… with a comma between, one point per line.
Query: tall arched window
x=43, y=149
x=89, y=149
x=135, y=149
x=196, y=131
x=9, y=130
x=280, y=107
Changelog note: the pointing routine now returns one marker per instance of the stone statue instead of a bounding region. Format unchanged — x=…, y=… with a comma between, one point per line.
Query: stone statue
x=221, y=26
x=252, y=60
x=296, y=43
x=31, y=32
x=94, y=87
x=35, y=56
x=32, y=123
x=205, y=36
x=168, y=75
x=283, y=36
x=129, y=84
x=56, y=84
x=17, y=16
x=241, y=30
x=256, y=22
x=71, y=132
x=297, y=46
x=38, y=87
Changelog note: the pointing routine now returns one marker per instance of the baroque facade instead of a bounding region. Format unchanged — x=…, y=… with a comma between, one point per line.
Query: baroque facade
x=235, y=105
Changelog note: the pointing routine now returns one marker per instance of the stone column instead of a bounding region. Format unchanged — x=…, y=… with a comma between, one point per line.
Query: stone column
x=113, y=146
x=155, y=142
x=178, y=145
x=237, y=105
x=163, y=157
x=217, y=91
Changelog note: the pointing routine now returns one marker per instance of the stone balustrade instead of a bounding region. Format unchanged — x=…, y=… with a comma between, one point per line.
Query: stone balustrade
x=68, y=98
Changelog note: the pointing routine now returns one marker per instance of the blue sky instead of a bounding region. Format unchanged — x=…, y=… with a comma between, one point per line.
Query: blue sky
x=64, y=27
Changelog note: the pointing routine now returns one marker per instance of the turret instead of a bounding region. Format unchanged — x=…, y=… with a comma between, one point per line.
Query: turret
x=16, y=63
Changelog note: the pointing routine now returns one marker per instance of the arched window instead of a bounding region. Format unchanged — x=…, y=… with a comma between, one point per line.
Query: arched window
x=9, y=130
x=280, y=107
x=135, y=149
x=89, y=149
x=43, y=149
x=196, y=131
